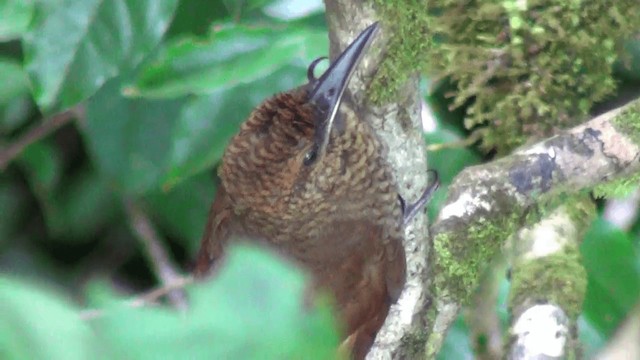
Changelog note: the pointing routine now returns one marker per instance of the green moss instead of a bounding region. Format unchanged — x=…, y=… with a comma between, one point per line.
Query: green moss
x=414, y=344
x=617, y=188
x=559, y=278
x=530, y=67
x=578, y=205
x=434, y=345
x=460, y=260
x=407, y=50
x=628, y=122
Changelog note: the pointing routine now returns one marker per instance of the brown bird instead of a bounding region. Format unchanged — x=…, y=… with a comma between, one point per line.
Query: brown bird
x=308, y=177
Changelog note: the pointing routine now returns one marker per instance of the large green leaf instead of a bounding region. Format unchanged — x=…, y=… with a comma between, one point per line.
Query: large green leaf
x=231, y=55
x=254, y=309
x=614, y=276
x=75, y=46
x=37, y=323
x=15, y=16
x=206, y=123
x=130, y=139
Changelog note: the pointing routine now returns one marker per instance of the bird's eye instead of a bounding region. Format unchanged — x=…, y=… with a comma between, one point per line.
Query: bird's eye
x=310, y=157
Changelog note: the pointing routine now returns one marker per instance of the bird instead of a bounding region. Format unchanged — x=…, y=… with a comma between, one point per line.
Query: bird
x=308, y=177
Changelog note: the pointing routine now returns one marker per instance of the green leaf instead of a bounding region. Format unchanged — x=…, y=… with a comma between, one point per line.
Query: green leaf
x=207, y=123
x=614, y=276
x=39, y=324
x=13, y=81
x=75, y=46
x=231, y=55
x=82, y=207
x=14, y=95
x=13, y=203
x=628, y=64
x=182, y=212
x=43, y=166
x=253, y=309
x=456, y=345
x=591, y=339
x=196, y=17
x=235, y=8
x=129, y=139
x=75, y=208
x=15, y=16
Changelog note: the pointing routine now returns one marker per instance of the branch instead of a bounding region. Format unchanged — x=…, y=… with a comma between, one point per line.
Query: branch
x=548, y=284
x=143, y=300
x=487, y=203
x=153, y=246
x=39, y=131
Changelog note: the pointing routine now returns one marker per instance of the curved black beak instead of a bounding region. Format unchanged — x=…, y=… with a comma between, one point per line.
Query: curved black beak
x=329, y=88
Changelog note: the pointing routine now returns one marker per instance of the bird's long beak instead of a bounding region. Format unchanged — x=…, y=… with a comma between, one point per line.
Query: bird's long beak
x=329, y=88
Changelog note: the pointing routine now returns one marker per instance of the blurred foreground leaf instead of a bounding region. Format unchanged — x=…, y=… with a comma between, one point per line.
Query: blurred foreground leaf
x=614, y=276
x=254, y=308
x=15, y=16
x=39, y=324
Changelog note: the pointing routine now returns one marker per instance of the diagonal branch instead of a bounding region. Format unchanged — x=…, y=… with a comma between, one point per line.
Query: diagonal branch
x=487, y=203
x=162, y=265
x=41, y=130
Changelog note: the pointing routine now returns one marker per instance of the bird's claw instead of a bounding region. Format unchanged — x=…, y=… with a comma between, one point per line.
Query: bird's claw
x=409, y=212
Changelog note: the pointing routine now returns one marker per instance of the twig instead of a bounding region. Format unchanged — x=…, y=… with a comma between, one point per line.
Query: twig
x=39, y=131
x=144, y=299
x=162, y=265
x=458, y=144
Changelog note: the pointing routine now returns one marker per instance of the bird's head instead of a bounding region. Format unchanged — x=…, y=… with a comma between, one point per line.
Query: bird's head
x=286, y=146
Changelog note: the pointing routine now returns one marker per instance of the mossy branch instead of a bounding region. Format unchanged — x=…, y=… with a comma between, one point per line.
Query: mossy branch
x=488, y=203
x=549, y=282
